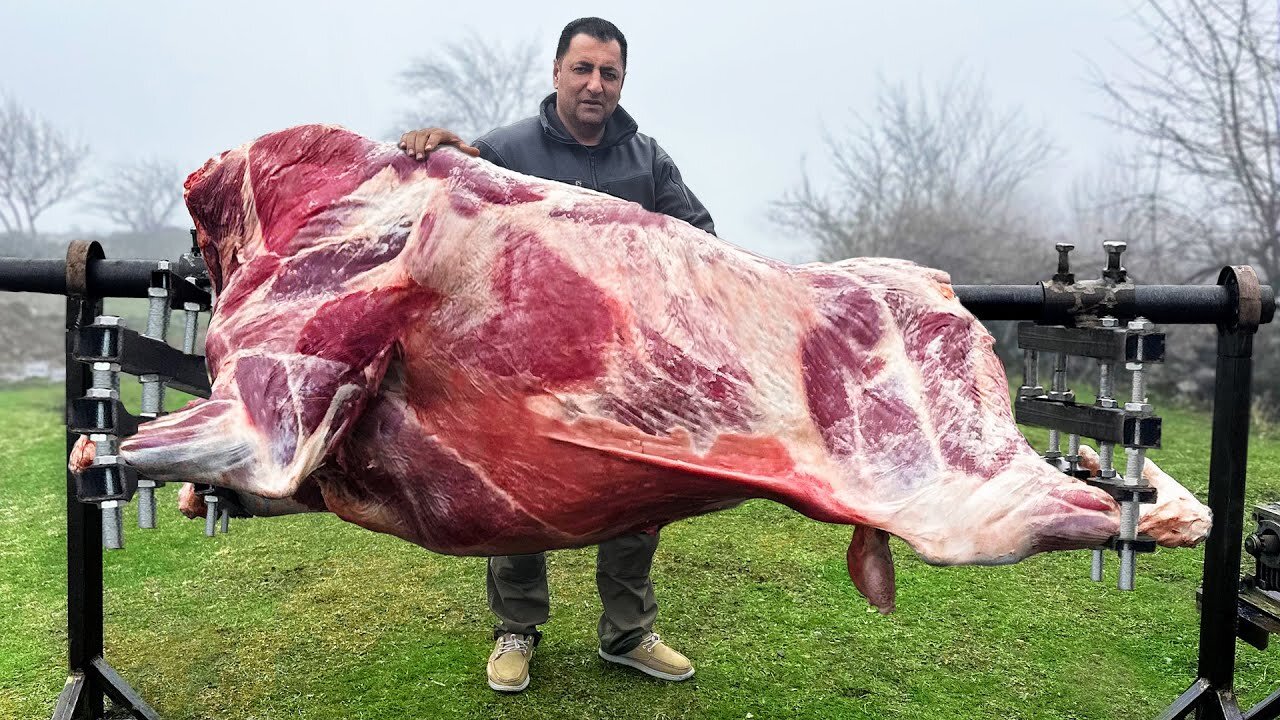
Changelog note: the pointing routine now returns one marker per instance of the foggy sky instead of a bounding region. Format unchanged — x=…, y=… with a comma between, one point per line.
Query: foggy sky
x=738, y=95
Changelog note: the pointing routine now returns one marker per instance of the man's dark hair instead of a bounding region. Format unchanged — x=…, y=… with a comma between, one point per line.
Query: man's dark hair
x=598, y=28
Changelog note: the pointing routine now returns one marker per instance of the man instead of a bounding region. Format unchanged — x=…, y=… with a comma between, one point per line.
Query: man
x=583, y=138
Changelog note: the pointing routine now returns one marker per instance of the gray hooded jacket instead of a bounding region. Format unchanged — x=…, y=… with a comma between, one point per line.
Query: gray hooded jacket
x=626, y=164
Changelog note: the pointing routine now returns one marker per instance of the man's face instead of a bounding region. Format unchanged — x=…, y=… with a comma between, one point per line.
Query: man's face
x=588, y=81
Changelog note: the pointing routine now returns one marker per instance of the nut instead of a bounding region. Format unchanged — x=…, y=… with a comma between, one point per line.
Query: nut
x=1141, y=325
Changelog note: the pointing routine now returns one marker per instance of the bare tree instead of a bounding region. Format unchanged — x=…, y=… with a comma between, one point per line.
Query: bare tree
x=475, y=85
x=928, y=176
x=1130, y=199
x=1207, y=105
x=140, y=196
x=39, y=167
x=1204, y=103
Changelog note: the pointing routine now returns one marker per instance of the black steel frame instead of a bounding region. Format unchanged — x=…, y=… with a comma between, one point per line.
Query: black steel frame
x=1238, y=304
x=86, y=278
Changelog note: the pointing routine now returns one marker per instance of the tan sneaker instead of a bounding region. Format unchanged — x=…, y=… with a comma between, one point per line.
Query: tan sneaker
x=509, y=663
x=654, y=657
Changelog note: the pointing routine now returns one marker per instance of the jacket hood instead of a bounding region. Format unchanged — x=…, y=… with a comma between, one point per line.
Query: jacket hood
x=619, y=128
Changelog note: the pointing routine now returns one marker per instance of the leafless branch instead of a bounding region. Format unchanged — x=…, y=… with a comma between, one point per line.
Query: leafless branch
x=39, y=167
x=1208, y=102
x=140, y=196
x=474, y=85
x=932, y=176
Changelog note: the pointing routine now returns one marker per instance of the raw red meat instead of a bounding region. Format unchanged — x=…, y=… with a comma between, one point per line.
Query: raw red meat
x=485, y=363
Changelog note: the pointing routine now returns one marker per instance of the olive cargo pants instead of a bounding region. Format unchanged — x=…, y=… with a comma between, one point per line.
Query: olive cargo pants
x=518, y=593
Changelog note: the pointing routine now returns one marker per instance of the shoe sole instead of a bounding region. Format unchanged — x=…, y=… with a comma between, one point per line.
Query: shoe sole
x=509, y=688
x=630, y=662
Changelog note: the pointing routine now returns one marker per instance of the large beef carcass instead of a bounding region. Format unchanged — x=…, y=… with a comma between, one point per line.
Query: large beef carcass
x=486, y=363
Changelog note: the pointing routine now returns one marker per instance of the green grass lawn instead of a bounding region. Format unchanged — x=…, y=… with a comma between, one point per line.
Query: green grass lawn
x=309, y=617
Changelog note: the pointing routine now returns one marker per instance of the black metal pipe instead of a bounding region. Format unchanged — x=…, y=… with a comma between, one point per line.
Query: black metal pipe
x=1196, y=304
x=1169, y=304
x=121, y=278
x=1002, y=302
x=106, y=278
x=1185, y=304
x=33, y=275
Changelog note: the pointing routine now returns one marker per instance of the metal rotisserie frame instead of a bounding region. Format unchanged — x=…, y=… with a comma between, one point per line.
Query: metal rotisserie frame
x=1237, y=305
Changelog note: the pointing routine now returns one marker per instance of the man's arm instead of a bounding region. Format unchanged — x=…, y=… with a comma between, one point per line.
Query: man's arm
x=672, y=197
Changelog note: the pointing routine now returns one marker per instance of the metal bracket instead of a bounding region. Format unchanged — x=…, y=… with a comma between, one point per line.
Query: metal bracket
x=1116, y=488
x=93, y=415
x=108, y=478
x=1113, y=425
x=1115, y=345
x=137, y=354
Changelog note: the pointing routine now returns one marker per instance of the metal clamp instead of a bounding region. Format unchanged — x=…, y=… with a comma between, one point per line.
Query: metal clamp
x=1085, y=324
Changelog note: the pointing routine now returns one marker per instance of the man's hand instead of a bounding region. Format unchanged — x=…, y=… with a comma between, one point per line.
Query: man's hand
x=419, y=143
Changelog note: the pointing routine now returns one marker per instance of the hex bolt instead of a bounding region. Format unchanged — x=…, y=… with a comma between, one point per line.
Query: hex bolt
x=1129, y=510
x=1073, y=452
x=1058, y=392
x=210, y=514
x=1129, y=513
x=1115, y=271
x=1138, y=395
x=1106, y=453
x=1136, y=458
x=1064, y=274
x=157, y=313
x=157, y=329
x=105, y=349
x=106, y=376
x=1106, y=386
x=152, y=395
x=1058, y=385
x=103, y=445
x=106, y=386
x=1030, y=368
x=112, y=530
x=1105, y=471
x=192, y=328
x=1128, y=562
x=146, y=504
x=1106, y=392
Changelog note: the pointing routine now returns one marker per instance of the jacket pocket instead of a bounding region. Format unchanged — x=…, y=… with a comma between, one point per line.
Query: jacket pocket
x=637, y=189
x=576, y=182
